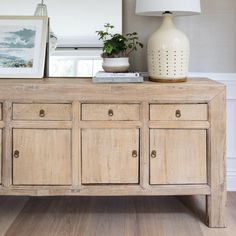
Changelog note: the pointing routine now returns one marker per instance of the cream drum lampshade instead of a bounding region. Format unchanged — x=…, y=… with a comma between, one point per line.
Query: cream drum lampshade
x=168, y=48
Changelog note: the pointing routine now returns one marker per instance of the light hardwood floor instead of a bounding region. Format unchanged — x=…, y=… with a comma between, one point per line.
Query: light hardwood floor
x=109, y=216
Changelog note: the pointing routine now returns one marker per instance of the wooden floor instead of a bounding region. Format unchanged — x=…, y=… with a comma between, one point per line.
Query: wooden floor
x=109, y=216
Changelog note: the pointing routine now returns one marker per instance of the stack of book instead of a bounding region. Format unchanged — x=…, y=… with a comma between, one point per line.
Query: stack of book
x=106, y=77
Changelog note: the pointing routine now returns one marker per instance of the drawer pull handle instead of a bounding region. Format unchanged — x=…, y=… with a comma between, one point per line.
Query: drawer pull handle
x=110, y=112
x=134, y=154
x=42, y=113
x=16, y=154
x=153, y=154
x=178, y=113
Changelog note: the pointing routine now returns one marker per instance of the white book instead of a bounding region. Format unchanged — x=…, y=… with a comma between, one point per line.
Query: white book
x=118, y=79
x=102, y=74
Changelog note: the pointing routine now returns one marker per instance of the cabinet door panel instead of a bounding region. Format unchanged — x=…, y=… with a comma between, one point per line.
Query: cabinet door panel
x=41, y=157
x=0, y=156
x=0, y=111
x=108, y=156
x=180, y=156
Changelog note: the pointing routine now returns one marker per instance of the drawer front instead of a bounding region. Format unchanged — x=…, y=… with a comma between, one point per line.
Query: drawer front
x=178, y=112
x=54, y=112
x=110, y=112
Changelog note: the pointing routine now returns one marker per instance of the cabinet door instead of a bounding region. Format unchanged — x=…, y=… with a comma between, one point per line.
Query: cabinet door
x=0, y=156
x=177, y=156
x=110, y=156
x=41, y=157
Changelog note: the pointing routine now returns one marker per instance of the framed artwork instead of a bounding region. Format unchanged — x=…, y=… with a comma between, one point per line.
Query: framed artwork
x=23, y=41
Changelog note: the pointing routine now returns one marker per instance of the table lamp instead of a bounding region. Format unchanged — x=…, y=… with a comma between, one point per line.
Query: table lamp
x=168, y=48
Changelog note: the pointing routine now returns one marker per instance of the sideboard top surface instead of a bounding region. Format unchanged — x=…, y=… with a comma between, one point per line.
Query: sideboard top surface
x=195, y=89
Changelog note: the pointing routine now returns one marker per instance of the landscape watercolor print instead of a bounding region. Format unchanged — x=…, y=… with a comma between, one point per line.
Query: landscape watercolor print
x=17, y=46
x=23, y=42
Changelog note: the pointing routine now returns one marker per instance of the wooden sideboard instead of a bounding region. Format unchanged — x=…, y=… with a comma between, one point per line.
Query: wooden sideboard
x=72, y=137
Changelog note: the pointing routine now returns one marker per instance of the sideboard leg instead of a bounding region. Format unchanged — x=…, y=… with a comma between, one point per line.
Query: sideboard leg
x=7, y=146
x=216, y=201
x=216, y=210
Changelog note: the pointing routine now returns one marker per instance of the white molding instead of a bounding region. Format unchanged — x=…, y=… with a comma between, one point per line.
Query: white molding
x=226, y=77
x=231, y=184
x=231, y=180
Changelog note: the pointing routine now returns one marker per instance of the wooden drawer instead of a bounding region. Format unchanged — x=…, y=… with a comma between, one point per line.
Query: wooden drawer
x=178, y=112
x=112, y=112
x=55, y=112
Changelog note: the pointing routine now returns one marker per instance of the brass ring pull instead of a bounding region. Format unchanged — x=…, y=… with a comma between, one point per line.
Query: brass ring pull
x=134, y=154
x=110, y=112
x=16, y=154
x=153, y=154
x=178, y=113
x=42, y=113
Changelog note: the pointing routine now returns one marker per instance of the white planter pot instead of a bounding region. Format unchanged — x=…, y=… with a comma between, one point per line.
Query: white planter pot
x=119, y=64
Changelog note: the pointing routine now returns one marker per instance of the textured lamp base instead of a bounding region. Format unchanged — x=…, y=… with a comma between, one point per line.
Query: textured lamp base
x=168, y=53
x=169, y=80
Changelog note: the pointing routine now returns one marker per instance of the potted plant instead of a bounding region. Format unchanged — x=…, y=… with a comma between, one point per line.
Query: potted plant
x=117, y=49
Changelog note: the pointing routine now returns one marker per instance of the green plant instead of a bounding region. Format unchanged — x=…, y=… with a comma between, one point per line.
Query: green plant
x=118, y=45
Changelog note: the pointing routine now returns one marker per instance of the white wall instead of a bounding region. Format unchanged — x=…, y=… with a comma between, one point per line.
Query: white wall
x=212, y=35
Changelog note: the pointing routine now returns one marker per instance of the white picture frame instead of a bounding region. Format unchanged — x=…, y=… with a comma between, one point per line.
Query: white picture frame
x=23, y=41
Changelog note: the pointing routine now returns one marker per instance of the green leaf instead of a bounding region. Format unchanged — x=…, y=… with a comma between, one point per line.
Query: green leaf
x=115, y=45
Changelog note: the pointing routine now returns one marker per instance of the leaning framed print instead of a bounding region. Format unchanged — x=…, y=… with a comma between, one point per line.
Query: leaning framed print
x=23, y=41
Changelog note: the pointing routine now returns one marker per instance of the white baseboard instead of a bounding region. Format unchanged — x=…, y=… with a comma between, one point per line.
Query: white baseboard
x=231, y=180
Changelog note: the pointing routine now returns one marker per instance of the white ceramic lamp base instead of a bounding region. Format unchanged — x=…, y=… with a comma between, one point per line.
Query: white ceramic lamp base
x=168, y=53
